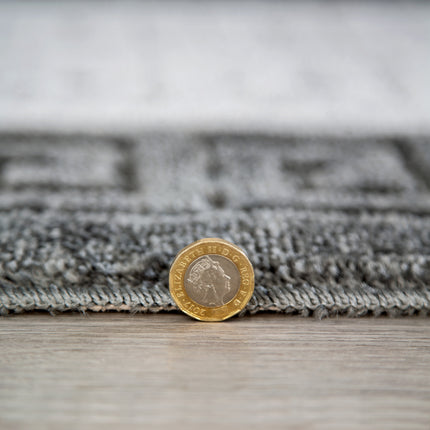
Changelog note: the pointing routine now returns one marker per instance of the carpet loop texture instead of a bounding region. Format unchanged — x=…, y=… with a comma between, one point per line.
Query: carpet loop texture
x=332, y=226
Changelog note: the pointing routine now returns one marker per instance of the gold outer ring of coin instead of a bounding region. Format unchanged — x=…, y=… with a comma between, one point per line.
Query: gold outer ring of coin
x=211, y=279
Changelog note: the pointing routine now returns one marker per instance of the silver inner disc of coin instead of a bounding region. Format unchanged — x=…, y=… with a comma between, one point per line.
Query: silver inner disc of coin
x=212, y=280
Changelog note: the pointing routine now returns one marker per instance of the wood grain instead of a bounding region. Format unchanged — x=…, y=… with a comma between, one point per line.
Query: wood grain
x=264, y=371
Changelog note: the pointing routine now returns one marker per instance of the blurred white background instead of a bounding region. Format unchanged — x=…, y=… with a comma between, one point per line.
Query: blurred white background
x=287, y=66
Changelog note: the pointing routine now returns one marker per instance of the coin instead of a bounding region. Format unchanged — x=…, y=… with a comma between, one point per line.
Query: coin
x=211, y=279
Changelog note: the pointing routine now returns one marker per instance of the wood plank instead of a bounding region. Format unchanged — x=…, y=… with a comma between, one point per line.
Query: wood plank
x=272, y=371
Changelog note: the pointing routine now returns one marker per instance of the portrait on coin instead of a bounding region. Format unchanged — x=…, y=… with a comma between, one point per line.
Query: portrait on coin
x=208, y=283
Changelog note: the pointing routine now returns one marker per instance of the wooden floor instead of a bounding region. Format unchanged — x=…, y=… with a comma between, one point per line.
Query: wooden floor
x=265, y=371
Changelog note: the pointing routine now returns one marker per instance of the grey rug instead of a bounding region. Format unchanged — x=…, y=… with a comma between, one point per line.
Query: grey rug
x=332, y=225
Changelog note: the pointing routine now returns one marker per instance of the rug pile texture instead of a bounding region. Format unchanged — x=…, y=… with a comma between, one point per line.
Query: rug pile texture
x=332, y=225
